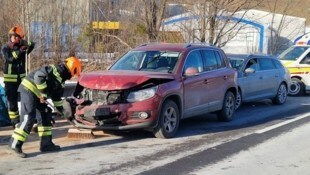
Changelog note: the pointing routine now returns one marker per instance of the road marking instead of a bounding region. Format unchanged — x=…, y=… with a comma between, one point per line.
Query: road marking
x=282, y=123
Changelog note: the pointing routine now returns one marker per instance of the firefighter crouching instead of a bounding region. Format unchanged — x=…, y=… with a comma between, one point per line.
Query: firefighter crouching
x=14, y=54
x=45, y=82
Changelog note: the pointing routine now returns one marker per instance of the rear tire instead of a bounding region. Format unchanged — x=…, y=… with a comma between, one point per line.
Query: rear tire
x=281, y=96
x=169, y=120
x=228, y=109
x=297, y=87
x=238, y=99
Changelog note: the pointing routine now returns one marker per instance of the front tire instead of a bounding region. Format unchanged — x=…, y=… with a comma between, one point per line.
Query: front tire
x=297, y=87
x=281, y=96
x=228, y=109
x=169, y=120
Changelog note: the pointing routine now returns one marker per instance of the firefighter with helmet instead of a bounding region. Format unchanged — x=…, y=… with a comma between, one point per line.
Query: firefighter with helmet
x=14, y=54
x=43, y=83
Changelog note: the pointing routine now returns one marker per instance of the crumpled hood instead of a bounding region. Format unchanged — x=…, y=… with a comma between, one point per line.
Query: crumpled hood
x=118, y=80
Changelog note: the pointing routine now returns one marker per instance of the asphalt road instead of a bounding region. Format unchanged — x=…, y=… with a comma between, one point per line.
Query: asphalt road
x=262, y=139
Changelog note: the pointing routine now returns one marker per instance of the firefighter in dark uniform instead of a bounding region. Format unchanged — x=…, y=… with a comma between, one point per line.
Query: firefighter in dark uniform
x=46, y=82
x=14, y=54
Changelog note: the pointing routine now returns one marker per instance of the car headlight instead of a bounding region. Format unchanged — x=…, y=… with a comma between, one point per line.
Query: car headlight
x=142, y=94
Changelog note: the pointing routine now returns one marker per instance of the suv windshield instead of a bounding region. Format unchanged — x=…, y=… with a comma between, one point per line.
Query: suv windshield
x=236, y=63
x=292, y=53
x=147, y=61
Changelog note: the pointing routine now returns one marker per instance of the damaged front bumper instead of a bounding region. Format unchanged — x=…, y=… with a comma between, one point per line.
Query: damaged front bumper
x=123, y=127
x=127, y=116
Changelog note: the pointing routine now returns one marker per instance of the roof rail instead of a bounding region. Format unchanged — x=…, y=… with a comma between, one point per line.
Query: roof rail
x=259, y=54
x=202, y=43
x=146, y=44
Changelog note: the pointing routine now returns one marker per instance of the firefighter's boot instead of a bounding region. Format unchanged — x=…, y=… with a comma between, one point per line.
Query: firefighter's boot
x=47, y=144
x=15, y=147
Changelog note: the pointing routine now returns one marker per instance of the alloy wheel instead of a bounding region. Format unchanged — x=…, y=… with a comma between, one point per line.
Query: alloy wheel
x=230, y=106
x=295, y=88
x=282, y=93
x=170, y=119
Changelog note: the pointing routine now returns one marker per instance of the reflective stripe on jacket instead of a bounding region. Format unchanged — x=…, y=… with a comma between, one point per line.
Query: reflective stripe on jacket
x=48, y=81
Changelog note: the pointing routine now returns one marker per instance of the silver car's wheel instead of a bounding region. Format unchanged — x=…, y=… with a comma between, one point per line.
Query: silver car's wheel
x=238, y=99
x=281, y=96
x=169, y=120
x=297, y=87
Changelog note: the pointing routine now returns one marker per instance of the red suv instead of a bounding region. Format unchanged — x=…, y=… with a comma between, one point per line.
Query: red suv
x=154, y=86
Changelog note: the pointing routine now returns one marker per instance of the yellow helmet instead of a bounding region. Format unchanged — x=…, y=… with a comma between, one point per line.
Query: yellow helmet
x=74, y=66
x=16, y=30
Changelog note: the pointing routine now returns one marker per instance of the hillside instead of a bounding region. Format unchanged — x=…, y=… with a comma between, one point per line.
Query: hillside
x=297, y=8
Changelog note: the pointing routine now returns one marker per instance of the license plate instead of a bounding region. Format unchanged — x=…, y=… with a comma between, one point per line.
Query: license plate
x=97, y=112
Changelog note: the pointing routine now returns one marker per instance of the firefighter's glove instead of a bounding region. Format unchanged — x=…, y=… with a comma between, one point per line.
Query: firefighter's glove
x=23, y=49
x=24, y=43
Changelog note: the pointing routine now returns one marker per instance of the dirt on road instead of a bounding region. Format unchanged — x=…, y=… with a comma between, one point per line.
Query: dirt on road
x=60, y=137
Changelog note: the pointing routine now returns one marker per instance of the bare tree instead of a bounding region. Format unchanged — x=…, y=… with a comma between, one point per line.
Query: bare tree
x=217, y=19
x=278, y=8
x=154, y=14
x=62, y=27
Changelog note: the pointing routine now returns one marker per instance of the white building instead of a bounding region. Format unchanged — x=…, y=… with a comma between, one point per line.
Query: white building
x=255, y=32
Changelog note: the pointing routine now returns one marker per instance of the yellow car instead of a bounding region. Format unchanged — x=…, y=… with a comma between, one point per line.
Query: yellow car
x=297, y=60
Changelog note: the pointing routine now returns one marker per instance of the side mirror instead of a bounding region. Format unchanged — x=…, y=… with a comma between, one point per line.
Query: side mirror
x=249, y=70
x=191, y=71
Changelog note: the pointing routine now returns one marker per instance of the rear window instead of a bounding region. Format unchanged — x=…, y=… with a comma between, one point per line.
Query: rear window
x=278, y=64
x=266, y=64
x=220, y=61
x=209, y=59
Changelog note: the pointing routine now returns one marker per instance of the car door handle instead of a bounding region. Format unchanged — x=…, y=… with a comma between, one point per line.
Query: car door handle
x=225, y=77
x=261, y=78
x=206, y=81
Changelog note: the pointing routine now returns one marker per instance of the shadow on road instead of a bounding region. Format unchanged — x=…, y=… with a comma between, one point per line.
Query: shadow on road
x=249, y=114
x=99, y=143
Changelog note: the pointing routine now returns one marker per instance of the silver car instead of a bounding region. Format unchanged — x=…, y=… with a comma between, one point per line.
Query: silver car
x=260, y=77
